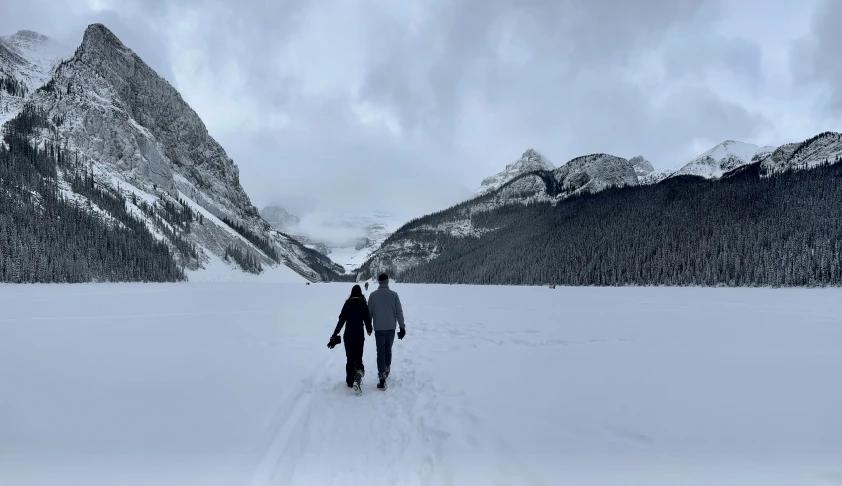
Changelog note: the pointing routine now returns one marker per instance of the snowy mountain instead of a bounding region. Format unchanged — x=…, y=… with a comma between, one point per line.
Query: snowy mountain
x=27, y=60
x=419, y=241
x=279, y=218
x=126, y=131
x=345, y=238
x=30, y=57
x=720, y=159
x=528, y=162
x=825, y=148
x=586, y=174
x=531, y=229
x=376, y=229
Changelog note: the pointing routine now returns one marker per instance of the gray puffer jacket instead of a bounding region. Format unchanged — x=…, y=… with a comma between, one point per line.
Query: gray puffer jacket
x=385, y=309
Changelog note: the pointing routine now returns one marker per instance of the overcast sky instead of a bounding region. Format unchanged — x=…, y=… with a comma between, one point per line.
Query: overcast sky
x=406, y=105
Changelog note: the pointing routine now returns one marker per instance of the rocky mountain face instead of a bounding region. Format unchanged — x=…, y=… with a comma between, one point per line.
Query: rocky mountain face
x=642, y=167
x=530, y=161
x=133, y=134
x=825, y=148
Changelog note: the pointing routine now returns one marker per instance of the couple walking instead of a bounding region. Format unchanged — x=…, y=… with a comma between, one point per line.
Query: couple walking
x=382, y=313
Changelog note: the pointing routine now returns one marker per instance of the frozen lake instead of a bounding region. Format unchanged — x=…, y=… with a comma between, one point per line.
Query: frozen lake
x=232, y=384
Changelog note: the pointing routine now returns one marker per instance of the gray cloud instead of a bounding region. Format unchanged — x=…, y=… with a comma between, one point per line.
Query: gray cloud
x=406, y=106
x=815, y=58
x=738, y=56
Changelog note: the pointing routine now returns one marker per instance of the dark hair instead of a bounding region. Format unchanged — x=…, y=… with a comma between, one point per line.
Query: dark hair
x=357, y=292
x=383, y=277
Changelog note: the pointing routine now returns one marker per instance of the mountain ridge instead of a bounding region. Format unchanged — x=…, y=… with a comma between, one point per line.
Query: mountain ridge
x=425, y=239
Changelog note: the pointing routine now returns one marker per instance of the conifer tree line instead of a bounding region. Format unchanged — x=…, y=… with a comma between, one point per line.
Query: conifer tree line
x=334, y=273
x=46, y=238
x=12, y=87
x=264, y=244
x=245, y=259
x=168, y=216
x=744, y=230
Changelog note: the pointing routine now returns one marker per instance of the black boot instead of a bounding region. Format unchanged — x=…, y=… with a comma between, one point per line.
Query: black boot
x=382, y=384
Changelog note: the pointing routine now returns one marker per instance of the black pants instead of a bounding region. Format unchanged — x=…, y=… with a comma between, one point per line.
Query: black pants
x=354, y=355
x=384, y=339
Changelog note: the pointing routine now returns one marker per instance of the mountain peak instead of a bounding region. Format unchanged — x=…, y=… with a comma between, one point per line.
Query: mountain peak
x=98, y=35
x=642, y=167
x=29, y=35
x=530, y=161
x=28, y=43
x=532, y=157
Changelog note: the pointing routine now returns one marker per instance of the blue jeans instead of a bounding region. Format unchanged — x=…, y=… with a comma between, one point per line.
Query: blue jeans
x=384, y=340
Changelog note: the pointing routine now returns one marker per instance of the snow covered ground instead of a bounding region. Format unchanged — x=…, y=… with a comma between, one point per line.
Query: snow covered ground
x=218, y=270
x=231, y=384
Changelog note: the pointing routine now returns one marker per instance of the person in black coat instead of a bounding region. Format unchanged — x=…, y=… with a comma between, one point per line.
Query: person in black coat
x=354, y=316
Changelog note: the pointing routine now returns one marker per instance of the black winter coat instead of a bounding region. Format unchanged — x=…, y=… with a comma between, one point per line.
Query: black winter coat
x=354, y=315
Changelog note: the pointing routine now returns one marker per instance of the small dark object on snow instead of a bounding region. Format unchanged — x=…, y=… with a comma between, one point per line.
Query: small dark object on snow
x=382, y=385
x=401, y=333
x=334, y=340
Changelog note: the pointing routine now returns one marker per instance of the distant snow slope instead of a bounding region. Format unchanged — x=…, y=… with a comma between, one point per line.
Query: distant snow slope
x=31, y=57
x=377, y=228
x=362, y=235
x=231, y=385
x=218, y=270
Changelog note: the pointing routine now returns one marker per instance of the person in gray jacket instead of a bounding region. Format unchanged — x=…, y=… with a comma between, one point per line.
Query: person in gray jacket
x=386, y=312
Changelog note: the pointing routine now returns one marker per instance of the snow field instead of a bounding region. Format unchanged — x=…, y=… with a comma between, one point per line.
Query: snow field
x=232, y=384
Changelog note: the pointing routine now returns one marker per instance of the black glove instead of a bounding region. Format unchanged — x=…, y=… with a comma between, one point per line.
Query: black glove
x=402, y=333
x=334, y=340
